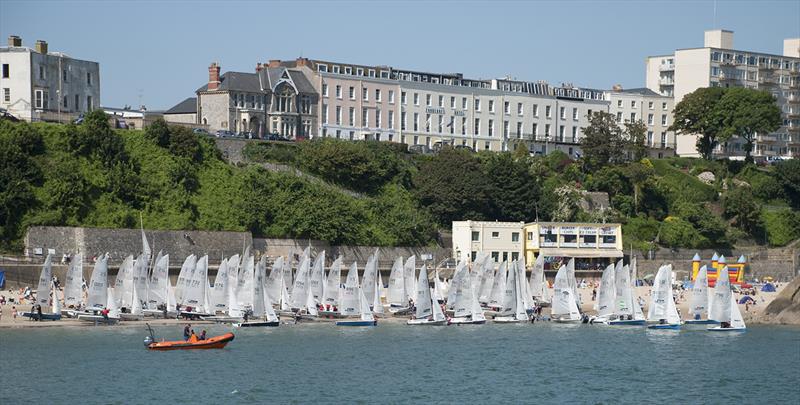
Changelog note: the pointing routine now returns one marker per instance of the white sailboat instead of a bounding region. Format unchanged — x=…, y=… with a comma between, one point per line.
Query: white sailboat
x=605, y=296
x=370, y=276
x=397, y=296
x=377, y=306
x=700, y=300
x=467, y=308
x=261, y=314
x=439, y=290
x=185, y=276
x=45, y=294
x=73, y=285
x=300, y=286
x=330, y=296
x=317, y=278
x=662, y=304
x=624, y=303
x=538, y=284
x=564, y=306
x=428, y=311
x=499, y=287
x=360, y=305
x=410, y=277
x=136, y=310
x=724, y=308
x=98, y=297
x=513, y=305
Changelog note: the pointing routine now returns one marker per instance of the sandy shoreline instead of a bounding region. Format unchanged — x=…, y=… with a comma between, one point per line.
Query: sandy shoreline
x=753, y=315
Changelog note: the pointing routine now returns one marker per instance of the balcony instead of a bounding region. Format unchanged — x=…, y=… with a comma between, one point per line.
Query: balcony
x=666, y=81
x=768, y=81
x=662, y=145
x=727, y=77
x=767, y=138
x=667, y=68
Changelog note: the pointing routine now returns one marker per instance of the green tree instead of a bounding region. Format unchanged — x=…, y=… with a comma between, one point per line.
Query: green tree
x=513, y=192
x=788, y=174
x=638, y=174
x=678, y=233
x=452, y=186
x=636, y=140
x=183, y=143
x=741, y=208
x=158, y=132
x=748, y=112
x=603, y=141
x=697, y=114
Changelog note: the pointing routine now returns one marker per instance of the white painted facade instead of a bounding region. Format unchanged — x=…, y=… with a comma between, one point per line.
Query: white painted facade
x=499, y=240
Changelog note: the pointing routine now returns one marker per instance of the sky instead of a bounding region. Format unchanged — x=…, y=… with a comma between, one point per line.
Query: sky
x=157, y=53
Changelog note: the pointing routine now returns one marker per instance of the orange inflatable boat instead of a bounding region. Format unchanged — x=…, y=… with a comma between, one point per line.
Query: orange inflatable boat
x=216, y=342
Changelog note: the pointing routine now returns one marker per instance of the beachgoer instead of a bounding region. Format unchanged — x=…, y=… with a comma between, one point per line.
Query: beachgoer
x=1, y=313
x=39, y=312
x=105, y=312
x=193, y=337
x=14, y=312
x=203, y=335
x=186, y=331
x=594, y=294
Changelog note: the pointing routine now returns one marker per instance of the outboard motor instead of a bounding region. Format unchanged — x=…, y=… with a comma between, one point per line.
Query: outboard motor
x=148, y=340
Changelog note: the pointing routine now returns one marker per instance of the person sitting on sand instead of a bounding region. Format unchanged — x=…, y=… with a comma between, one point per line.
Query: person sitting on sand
x=203, y=335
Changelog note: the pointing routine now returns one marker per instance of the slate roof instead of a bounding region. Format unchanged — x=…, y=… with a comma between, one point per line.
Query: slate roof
x=641, y=90
x=238, y=81
x=188, y=106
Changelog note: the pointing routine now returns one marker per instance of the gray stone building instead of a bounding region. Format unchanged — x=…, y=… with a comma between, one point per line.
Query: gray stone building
x=275, y=99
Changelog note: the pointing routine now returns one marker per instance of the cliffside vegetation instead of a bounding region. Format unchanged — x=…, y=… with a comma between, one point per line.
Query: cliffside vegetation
x=92, y=175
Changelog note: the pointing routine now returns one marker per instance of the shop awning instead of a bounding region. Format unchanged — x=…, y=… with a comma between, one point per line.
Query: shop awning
x=582, y=253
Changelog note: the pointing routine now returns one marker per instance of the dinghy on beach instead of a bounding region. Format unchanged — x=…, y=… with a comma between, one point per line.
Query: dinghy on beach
x=724, y=307
x=355, y=303
x=428, y=311
x=43, y=295
x=513, y=305
x=700, y=299
x=662, y=305
x=564, y=307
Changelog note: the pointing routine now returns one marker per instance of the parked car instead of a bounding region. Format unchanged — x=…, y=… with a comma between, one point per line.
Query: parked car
x=222, y=133
x=420, y=149
x=200, y=131
x=4, y=114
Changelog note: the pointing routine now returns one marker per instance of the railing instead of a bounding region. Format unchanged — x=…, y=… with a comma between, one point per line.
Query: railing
x=666, y=67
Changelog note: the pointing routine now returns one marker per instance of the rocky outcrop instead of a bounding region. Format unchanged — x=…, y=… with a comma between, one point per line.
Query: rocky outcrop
x=785, y=309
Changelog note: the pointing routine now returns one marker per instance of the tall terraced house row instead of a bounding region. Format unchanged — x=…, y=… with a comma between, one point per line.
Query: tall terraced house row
x=39, y=85
x=719, y=64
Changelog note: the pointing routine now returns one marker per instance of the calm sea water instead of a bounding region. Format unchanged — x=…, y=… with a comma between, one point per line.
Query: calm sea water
x=393, y=363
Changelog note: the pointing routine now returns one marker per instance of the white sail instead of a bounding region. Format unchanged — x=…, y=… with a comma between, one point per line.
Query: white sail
x=510, y=290
x=397, y=284
x=220, y=291
x=184, y=276
x=537, y=278
x=438, y=315
x=459, y=274
x=524, y=287
x=377, y=306
x=270, y=312
x=73, y=285
x=463, y=301
x=136, y=303
x=622, y=303
x=56, y=308
x=140, y=278
x=171, y=301
x=487, y=281
x=423, y=301
x=606, y=294
x=311, y=304
x=370, y=277
x=156, y=287
x=366, y=313
x=499, y=287
x=245, y=287
x=194, y=293
x=350, y=304
x=288, y=280
x=736, y=315
x=333, y=283
x=477, y=312
x=113, y=309
x=273, y=281
x=659, y=295
x=285, y=300
x=410, y=276
x=45, y=285
x=98, y=285
x=317, y=278
x=439, y=293
x=300, y=286
x=520, y=308
x=673, y=317
x=259, y=307
x=233, y=276
x=564, y=305
x=699, y=304
x=720, y=305
x=381, y=286
x=123, y=283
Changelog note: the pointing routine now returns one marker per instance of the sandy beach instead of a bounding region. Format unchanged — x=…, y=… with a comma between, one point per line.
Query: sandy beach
x=753, y=314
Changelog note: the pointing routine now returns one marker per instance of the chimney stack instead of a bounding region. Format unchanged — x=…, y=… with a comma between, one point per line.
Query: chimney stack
x=259, y=66
x=273, y=63
x=302, y=62
x=213, y=77
x=41, y=47
x=14, y=40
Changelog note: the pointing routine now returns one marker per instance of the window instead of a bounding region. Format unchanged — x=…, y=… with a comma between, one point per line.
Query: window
x=619, y=116
x=416, y=122
x=633, y=103
x=491, y=106
x=64, y=75
x=535, y=110
x=619, y=103
x=519, y=108
x=547, y=111
x=561, y=133
x=649, y=137
x=515, y=236
x=391, y=96
x=390, y=120
x=88, y=78
x=428, y=100
x=360, y=71
x=514, y=255
x=89, y=103
x=649, y=119
x=574, y=134
x=441, y=101
x=463, y=103
x=535, y=129
x=574, y=114
x=507, y=107
x=41, y=72
x=491, y=127
x=477, y=129
x=505, y=129
x=336, y=70
x=505, y=256
x=323, y=68
x=324, y=113
x=338, y=115
x=561, y=113
x=496, y=256
x=351, y=92
x=7, y=95
x=365, y=94
x=663, y=119
x=664, y=105
x=530, y=235
x=650, y=105
x=351, y=116
x=338, y=91
x=377, y=118
x=6, y=71
x=364, y=117
x=348, y=70
x=476, y=236
x=377, y=95
x=416, y=98
x=77, y=103
x=403, y=98
x=495, y=235
x=547, y=130
x=633, y=117
x=403, y=117
x=463, y=125
x=477, y=104
x=38, y=99
x=519, y=130
x=452, y=102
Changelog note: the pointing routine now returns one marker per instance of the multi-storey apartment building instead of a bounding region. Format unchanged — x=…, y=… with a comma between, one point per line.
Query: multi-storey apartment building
x=39, y=85
x=718, y=64
x=653, y=109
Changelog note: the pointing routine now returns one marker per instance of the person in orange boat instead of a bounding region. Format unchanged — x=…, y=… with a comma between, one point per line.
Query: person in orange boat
x=193, y=337
x=203, y=335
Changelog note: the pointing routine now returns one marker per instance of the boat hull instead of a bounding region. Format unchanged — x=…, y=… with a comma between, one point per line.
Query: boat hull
x=628, y=322
x=330, y=314
x=44, y=316
x=464, y=321
x=428, y=322
x=701, y=322
x=508, y=319
x=721, y=329
x=160, y=314
x=356, y=323
x=131, y=317
x=98, y=319
x=216, y=342
x=256, y=324
x=399, y=310
x=566, y=320
x=664, y=326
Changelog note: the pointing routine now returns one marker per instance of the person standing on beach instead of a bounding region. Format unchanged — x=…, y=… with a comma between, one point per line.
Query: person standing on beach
x=14, y=313
x=39, y=312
